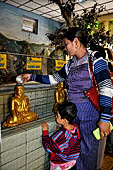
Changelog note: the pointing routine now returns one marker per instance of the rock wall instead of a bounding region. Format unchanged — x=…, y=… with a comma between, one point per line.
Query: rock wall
x=17, y=51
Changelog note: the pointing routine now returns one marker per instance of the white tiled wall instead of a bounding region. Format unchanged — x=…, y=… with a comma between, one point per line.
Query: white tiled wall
x=22, y=149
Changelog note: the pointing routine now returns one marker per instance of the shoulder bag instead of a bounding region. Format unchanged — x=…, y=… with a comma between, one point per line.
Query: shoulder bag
x=93, y=93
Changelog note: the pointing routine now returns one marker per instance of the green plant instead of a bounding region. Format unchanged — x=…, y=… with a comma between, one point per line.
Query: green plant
x=87, y=21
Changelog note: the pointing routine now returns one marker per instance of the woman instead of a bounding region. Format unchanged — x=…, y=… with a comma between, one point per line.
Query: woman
x=77, y=76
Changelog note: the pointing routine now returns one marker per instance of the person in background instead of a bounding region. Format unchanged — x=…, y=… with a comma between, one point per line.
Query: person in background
x=64, y=145
x=109, y=58
x=78, y=79
x=109, y=143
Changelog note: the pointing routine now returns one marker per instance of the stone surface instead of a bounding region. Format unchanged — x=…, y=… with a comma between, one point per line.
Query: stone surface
x=108, y=162
x=27, y=153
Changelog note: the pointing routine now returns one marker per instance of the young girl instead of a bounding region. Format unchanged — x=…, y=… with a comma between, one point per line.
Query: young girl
x=64, y=145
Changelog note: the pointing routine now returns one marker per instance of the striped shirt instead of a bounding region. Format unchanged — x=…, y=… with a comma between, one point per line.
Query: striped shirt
x=63, y=145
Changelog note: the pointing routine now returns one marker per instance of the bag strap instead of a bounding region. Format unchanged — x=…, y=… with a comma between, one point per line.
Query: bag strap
x=91, y=71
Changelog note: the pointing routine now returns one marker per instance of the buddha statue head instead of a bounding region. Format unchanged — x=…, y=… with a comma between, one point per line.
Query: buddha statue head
x=19, y=90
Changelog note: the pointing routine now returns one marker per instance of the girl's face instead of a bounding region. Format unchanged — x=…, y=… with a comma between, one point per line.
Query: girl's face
x=70, y=47
x=58, y=119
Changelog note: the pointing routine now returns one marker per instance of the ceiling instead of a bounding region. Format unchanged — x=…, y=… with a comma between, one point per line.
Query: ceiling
x=51, y=10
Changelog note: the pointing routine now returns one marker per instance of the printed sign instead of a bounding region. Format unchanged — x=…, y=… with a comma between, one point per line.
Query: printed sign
x=34, y=63
x=59, y=64
x=3, y=58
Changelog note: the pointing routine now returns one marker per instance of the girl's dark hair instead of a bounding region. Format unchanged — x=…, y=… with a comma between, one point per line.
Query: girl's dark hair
x=75, y=32
x=67, y=110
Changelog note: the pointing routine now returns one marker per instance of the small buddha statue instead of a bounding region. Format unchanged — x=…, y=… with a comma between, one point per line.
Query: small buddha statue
x=60, y=95
x=20, y=109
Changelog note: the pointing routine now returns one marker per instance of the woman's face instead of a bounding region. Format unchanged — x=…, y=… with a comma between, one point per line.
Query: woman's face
x=70, y=47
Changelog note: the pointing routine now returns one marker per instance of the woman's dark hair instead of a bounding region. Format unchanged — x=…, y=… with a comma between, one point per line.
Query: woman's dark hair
x=67, y=110
x=75, y=32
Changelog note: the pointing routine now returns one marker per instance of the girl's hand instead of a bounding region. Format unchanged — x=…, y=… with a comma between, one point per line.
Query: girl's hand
x=44, y=126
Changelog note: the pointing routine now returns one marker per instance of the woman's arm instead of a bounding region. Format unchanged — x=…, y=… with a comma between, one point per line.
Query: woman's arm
x=104, y=83
x=58, y=76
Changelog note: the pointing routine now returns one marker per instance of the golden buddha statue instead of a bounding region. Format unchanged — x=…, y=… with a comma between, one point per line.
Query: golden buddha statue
x=20, y=109
x=60, y=95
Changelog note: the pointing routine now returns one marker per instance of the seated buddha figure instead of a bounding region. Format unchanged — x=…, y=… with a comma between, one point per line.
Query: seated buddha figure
x=60, y=95
x=20, y=109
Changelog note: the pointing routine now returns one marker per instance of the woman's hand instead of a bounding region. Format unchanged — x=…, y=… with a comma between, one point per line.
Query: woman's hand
x=44, y=126
x=25, y=77
x=104, y=128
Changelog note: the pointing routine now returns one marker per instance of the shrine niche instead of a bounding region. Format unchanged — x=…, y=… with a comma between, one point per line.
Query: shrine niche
x=20, y=112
